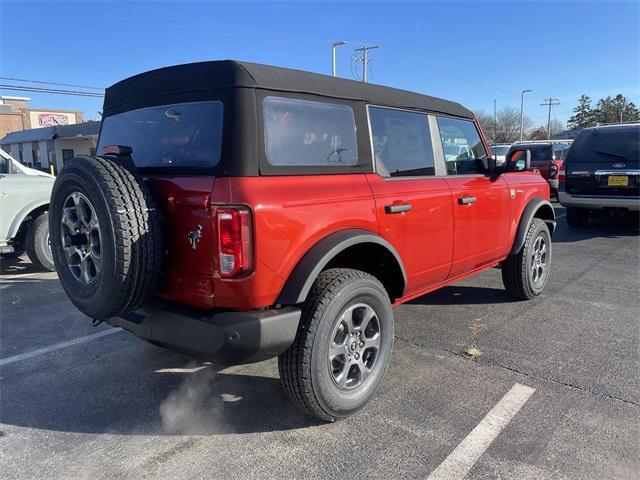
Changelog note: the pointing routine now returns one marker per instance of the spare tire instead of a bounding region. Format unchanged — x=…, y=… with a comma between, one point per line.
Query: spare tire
x=106, y=237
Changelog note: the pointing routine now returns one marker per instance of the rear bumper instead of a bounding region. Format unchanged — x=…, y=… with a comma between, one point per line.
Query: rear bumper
x=598, y=202
x=222, y=337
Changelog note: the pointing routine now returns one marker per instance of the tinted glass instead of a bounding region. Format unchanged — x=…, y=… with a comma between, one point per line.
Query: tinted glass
x=179, y=135
x=304, y=133
x=4, y=165
x=502, y=151
x=401, y=141
x=463, y=149
x=560, y=150
x=606, y=145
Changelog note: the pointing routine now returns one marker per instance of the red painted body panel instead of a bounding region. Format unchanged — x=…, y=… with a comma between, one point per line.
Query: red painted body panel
x=422, y=236
x=439, y=241
x=481, y=228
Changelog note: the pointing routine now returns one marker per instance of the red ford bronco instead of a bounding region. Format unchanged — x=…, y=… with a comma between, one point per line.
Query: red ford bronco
x=240, y=212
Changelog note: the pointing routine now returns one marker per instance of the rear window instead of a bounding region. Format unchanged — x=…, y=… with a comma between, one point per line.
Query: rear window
x=502, y=151
x=177, y=135
x=606, y=145
x=305, y=133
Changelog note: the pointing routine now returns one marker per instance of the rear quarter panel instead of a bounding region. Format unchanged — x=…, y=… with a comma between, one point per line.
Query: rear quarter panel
x=290, y=215
x=20, y=195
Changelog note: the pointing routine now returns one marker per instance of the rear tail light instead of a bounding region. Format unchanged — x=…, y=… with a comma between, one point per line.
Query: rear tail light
x=562, y=174
x=553, y=170
x=235, y=241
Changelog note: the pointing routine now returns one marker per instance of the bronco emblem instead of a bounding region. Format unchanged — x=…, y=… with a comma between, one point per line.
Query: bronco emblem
x=194, y=236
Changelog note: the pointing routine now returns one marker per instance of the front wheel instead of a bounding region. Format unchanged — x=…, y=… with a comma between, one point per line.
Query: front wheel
x=343, y=345
x=525, y=274
x=37, y=243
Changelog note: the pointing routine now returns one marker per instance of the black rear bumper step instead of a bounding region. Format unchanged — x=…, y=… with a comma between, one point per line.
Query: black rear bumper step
x=222, y=337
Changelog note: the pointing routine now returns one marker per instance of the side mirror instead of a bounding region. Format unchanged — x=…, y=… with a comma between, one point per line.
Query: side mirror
x=518, y=160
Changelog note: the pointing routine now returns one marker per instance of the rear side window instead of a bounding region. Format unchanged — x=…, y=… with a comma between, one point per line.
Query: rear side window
x=305, y=133
x=606, y=145
x=401, y=142
x=177, y=135
x=463, y=149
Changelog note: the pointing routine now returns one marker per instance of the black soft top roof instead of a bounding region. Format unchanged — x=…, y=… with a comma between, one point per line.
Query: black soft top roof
x=204, y=77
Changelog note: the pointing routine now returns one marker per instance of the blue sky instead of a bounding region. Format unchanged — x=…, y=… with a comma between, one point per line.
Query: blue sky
x=471, y=52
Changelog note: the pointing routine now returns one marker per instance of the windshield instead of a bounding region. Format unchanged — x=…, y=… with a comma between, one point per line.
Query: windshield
x=177, y=135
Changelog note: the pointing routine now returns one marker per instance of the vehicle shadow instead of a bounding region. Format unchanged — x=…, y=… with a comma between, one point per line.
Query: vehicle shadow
x=602, y=226
x=120, y=398
x=17, y=265
x=461, y=295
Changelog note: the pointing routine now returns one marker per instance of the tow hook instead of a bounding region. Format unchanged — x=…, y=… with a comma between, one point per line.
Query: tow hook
x=95, y=322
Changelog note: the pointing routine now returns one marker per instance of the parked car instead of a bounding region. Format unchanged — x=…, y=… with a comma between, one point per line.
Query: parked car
x=241, y=212
x=24, y=220
x=601, y=173
x=499, y=152
x=547, y=157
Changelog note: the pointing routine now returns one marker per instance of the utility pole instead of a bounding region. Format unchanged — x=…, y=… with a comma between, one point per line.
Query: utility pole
x=365, y=59
x=522, y=111
x=495, y=122
x=622, y=109
x=550, y=102
x=335, y=45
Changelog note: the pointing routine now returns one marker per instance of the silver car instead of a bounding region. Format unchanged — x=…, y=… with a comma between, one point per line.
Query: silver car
x=24, y=218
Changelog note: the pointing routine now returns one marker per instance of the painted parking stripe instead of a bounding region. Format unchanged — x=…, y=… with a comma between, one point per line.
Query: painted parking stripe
x=467, y=453
x=57, y=346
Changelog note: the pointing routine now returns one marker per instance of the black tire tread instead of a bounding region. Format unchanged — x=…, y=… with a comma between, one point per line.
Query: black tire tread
x=295, y=363
x=137, y=232
x=31, y=242
x=514, y=268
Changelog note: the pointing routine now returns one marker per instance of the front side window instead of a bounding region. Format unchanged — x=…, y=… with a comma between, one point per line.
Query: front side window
x=401, y=142
x=177, y=135
x=303, y=133
x=463, y=149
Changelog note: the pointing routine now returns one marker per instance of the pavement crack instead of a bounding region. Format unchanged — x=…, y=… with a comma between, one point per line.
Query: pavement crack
x=560, y=382
x=489, y=363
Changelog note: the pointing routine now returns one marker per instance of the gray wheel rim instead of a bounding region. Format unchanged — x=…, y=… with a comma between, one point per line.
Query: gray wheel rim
x=538, y=265
x=354, y=346
x=81, y=238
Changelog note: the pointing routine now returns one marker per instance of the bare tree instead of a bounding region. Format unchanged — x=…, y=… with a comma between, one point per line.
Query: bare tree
x=508, y=130
x=487, y=124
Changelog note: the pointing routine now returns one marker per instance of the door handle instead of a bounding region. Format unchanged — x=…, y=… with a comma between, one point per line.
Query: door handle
x=467, y=200
x=397, y=208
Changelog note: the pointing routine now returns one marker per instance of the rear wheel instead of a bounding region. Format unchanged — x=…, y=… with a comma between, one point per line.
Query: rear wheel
x=577, y=217
x=525, y=273
x=37, y=243
x=343, y=346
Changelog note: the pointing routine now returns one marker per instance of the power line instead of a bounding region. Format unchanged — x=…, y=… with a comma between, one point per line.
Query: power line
x=550, y=102
x=54, y=91
x=50, y=83
x=365, y=59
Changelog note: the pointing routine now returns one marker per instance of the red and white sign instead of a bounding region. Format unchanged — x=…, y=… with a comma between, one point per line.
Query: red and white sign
x=52, y=119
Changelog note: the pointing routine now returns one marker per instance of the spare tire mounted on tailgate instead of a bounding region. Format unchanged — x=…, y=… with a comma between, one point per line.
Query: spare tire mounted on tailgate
x=106, y=238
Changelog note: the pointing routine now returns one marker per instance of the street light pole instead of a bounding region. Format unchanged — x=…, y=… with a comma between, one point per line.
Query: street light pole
x=522, y=112
x=335, y=45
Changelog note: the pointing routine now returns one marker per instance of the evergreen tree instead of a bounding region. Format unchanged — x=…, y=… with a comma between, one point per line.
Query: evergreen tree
x=615, y=110
x=583, y=115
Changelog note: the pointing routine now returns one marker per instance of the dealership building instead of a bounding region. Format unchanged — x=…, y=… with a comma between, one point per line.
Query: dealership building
x=44, y=137
x=52, y=146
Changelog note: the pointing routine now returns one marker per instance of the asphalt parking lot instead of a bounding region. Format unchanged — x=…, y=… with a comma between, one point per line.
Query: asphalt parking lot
x=114, y=406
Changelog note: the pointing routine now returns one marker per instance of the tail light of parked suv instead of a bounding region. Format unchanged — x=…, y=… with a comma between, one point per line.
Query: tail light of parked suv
x=562, y=174
x=235, y=241
x=555, y=167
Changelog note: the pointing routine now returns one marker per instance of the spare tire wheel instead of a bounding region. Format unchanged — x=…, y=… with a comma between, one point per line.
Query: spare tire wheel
x=106, y=237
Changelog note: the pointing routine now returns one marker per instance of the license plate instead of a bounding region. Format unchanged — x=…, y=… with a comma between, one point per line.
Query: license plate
x=618, y=181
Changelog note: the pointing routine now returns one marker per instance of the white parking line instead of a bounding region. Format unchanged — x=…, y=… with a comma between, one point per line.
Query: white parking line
x=467, y=453
x=57, y=346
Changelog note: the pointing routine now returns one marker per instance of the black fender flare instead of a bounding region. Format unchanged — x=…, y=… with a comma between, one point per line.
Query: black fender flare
x=304, y=274
x=533, y=207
